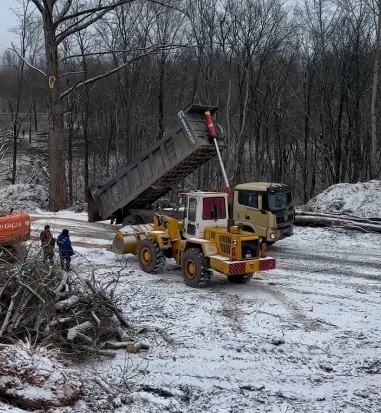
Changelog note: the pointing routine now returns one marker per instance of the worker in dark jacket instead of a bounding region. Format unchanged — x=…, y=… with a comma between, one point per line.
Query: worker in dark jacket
x=47, y=245
x=65, y=249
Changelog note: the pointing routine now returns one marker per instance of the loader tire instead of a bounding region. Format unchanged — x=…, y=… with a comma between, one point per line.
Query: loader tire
x=240, y=279
x=151, y=257
x=195, y=268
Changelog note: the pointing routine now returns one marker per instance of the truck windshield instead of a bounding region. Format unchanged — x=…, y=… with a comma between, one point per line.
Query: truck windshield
x=280, y=200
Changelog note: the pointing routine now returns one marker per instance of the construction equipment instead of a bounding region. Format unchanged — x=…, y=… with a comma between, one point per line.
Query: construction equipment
x=202, y=241
x=14, y=229
x=264, y=208
x=130, y=194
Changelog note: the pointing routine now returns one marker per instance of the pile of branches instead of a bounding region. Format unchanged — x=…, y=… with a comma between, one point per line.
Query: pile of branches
x=62, y=309
x=49, y=317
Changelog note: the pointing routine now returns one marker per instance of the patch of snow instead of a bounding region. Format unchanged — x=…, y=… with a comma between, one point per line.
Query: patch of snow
x=23, y=197
x=361, y=200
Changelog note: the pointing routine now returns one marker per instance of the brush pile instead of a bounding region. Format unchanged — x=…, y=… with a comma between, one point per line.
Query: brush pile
x=57, y=310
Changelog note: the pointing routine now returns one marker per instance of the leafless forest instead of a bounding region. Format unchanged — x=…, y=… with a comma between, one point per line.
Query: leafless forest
x=296, y=83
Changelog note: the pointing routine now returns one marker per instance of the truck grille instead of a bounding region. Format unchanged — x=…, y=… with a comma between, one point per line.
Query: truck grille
x=285, y=218
x=250, y=249
x=225, y=244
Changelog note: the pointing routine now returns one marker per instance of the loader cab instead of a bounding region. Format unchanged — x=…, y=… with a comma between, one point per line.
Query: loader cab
x=203, y=210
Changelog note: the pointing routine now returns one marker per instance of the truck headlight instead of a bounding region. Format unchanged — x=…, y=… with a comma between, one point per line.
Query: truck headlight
x=273, y=235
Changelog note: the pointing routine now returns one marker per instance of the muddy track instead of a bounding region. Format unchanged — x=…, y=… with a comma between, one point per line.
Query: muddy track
x=295, y=312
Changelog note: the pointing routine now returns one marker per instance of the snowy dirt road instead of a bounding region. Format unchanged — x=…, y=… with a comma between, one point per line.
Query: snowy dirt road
x=303, y=338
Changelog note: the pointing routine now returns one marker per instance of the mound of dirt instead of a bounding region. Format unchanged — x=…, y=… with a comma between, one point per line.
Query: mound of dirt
x=361, y=200
x=23, y=197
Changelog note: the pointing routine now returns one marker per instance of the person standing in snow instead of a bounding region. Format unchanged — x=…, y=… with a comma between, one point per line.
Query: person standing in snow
x=47, y=245
x=65, y=249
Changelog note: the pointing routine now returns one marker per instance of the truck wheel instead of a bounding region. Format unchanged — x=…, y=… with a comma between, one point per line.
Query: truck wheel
x=130, y=220
x=151, y=257
x=240, y=279
x=195, y=268
x=139, y=219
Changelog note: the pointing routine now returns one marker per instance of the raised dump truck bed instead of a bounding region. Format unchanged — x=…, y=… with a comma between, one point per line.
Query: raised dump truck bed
x=161, y=168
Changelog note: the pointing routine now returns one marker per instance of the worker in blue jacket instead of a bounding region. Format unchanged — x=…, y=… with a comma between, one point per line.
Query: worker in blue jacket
x=65, y=249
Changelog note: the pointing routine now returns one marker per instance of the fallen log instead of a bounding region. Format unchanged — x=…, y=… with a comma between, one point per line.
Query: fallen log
x=80, y=331
x=339, y=221
x=369, y=220
x=69, y=302
x=128, y=346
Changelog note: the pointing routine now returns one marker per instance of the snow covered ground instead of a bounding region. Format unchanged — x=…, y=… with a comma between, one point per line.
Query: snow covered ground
x=303, y=338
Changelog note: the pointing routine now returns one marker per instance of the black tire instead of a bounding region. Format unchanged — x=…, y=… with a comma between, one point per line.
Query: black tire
x=139, y=219
x=168, y=253
x=195, y=268
x=130, y=220
x=240, y=279
x=151, y=257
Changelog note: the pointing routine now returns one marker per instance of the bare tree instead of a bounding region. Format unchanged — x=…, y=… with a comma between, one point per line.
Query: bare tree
x=16, y=57
x=375, y=6
x=61, y=19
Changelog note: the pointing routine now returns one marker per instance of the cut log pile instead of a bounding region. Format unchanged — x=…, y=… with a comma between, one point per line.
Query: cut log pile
x=308, y=218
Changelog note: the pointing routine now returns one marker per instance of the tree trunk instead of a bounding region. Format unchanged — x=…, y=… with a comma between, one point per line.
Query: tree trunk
x=374, y=166
x=70, y=157
x=57, y=181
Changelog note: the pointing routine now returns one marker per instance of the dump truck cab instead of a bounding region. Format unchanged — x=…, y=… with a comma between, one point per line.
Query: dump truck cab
x=266, y=209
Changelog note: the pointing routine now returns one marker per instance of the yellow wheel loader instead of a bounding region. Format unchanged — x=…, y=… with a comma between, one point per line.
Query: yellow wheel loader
x=203, y=240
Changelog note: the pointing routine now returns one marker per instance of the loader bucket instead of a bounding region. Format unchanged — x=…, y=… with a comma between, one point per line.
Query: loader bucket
x=125, y=240
x=124, y=243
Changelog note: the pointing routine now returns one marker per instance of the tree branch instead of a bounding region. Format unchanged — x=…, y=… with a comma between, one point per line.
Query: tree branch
x=65, y=9
x=147, y=52
x=122, y=51
x=99, y=12
x=38, y=5
x=75, y=27
x=25, y=61
x=60, y=19
x=30, y=289
x=71, y=73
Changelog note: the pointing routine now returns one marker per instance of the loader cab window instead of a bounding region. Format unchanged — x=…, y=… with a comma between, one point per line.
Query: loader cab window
x=192, y=210
x=248, y=198
x=213, y=208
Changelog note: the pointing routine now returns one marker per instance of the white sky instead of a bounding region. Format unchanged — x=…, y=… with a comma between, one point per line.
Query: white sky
x=8, y=20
